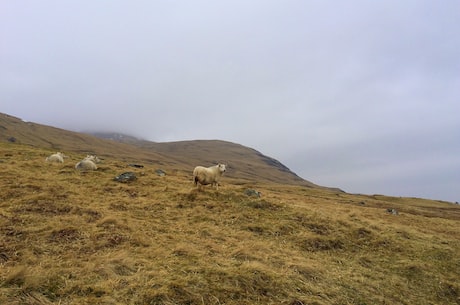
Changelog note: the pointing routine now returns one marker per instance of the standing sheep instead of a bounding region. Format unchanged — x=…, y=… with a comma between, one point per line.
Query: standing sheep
x=88, y=163
x=57, y=157
x=208, y=175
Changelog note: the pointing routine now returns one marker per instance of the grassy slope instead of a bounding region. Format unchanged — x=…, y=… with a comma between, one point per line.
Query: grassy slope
x=81, y=238
x=57, y=139
x=243, y=162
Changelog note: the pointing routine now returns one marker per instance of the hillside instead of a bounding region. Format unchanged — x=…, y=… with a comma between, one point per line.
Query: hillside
x=69, y=237
x=243, y=163
x=15, y=130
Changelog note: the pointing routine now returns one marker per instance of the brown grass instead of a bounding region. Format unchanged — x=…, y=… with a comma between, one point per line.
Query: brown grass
x=81, y=238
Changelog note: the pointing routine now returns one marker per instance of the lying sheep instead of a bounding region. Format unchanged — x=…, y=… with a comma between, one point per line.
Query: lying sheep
x=208, y=175
x=57, y=157
x=88, y=163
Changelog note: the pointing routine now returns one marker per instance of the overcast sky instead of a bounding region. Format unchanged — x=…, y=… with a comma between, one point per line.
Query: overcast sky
x=360, y=95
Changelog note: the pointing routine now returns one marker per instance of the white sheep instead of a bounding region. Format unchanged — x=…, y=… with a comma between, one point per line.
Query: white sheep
x=93, y=158
x=57, y=157
x=208, y=175
x=88, y=163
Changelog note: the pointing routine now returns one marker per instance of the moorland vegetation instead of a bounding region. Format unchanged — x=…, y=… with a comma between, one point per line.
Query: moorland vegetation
x=72, y=237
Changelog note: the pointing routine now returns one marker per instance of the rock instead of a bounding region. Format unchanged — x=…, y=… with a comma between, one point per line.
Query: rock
x=251, y=192
x=392, y=211
x=160, y=173
x=125, y=177
x=136, y=165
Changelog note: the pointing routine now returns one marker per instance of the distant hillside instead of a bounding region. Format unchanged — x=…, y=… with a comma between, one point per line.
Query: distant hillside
x=243, y=162
x=118, y=137
x=15, y=130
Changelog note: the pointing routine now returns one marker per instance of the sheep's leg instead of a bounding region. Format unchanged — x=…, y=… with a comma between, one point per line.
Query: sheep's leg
x=196, y=183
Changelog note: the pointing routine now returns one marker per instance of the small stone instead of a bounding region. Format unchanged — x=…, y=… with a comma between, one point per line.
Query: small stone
x=392, y=211
x=160, y=172
x=251, y=192
x=125, y=177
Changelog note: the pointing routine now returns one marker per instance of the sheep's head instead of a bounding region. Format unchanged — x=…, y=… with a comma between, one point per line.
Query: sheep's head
x=222, y=167
x=93, y=158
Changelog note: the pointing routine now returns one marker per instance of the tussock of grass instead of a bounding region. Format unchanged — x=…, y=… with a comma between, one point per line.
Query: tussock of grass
x=68, y=237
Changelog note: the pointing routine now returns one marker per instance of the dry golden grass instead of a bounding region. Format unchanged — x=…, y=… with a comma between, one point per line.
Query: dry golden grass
x=82, y=238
